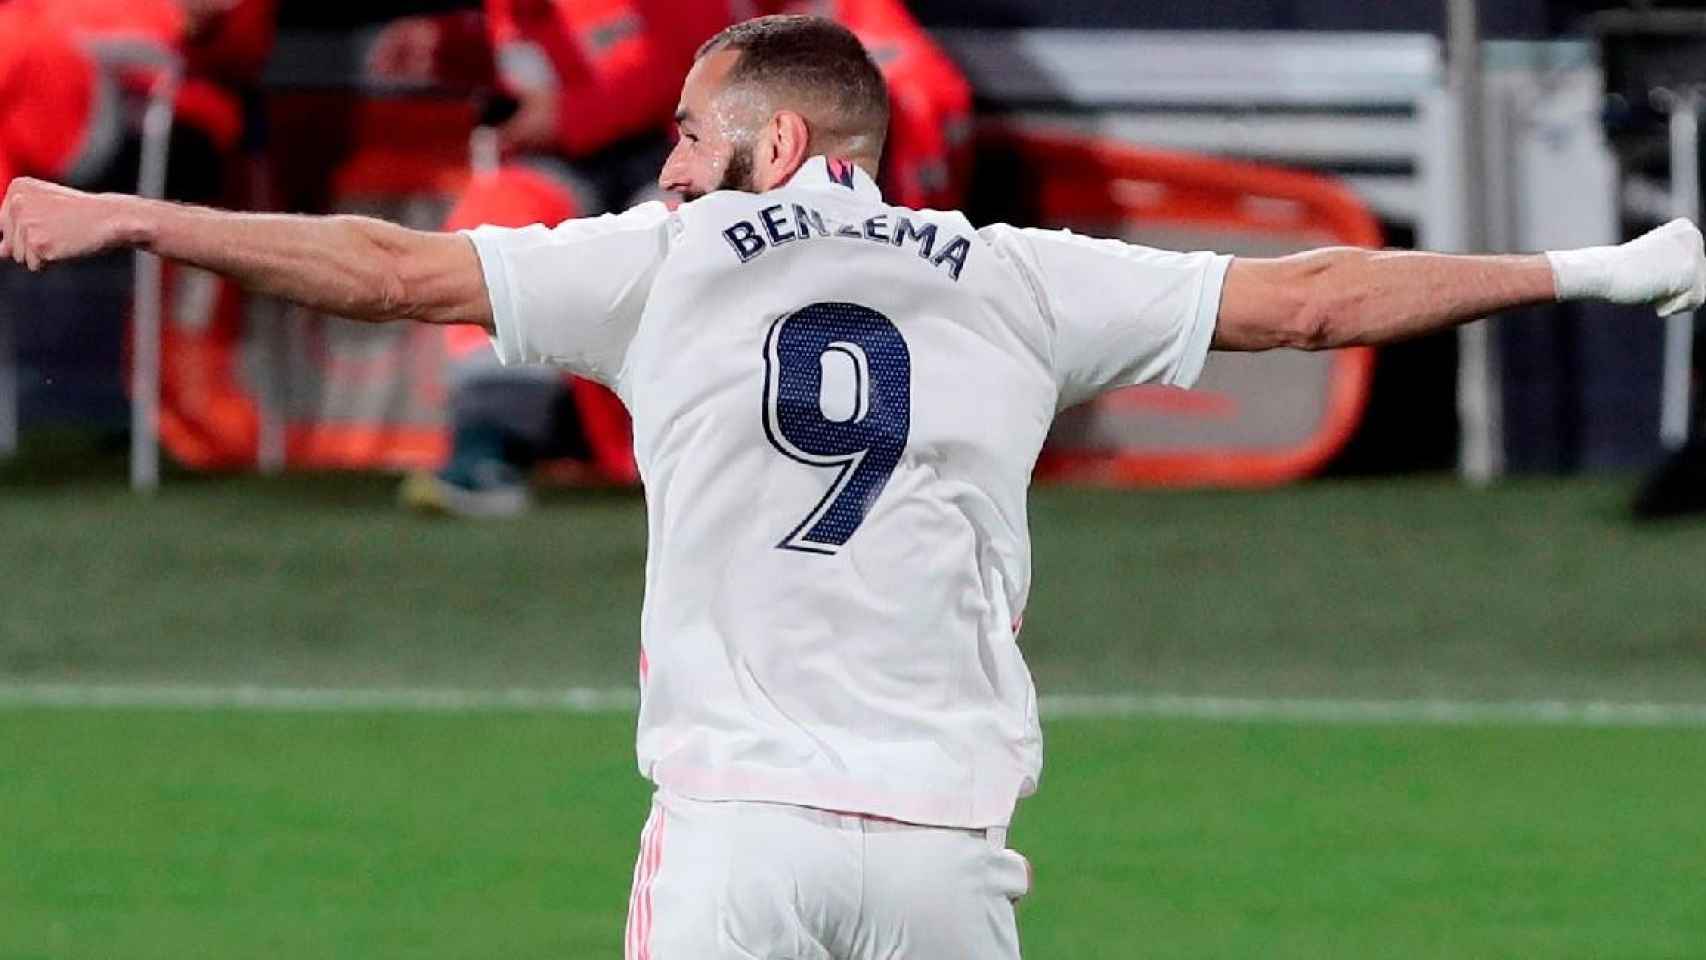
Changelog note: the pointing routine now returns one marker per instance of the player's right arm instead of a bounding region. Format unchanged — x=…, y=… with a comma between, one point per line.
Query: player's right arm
x=1341, y=297
x=1118, y=314
x=355, y=267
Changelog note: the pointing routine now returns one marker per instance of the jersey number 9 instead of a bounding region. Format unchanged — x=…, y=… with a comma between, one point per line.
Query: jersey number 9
x=863, y=447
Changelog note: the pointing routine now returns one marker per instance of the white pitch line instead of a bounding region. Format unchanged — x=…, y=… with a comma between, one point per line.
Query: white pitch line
x=1559, y=713
x=620, y=700
x=315, y=699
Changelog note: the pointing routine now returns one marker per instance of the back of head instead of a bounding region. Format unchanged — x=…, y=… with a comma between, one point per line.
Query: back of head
x=817, y=68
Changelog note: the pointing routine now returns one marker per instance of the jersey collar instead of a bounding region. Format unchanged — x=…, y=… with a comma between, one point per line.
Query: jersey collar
x=831, y=173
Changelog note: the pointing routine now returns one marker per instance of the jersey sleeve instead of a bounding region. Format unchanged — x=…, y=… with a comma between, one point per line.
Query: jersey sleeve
x=572, y=295
x=1118, y=314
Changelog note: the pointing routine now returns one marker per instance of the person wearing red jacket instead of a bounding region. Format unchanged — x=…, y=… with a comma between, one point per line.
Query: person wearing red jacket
x=594, y=82
x=65, y=66
x=926, y=162
x=588, y=73
x=57, y=120
x=593, y=86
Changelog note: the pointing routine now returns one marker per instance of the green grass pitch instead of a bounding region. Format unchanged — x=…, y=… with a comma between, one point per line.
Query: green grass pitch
x=182, y=833
x=139, y=834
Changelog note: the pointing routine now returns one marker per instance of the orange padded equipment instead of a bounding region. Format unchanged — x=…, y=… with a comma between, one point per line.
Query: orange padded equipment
x=1253, y=420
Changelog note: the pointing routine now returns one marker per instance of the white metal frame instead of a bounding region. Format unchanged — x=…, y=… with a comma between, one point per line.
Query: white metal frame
x=8, y=385
x=1480, y=385
x=147, y=299
x=1674, y=411
x=157, y=117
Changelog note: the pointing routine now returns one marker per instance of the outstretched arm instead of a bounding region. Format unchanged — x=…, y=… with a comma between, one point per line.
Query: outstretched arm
x=1341, y=297
x=356, y=267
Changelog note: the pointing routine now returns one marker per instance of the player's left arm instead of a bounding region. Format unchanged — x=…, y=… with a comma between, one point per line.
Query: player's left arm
x=1341, y=297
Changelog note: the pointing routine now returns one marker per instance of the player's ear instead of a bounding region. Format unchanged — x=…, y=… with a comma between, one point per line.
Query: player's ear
x=786, y=146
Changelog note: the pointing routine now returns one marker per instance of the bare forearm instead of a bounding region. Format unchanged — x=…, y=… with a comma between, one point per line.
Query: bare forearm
x=352, y=266
x=1343, y=297
x=1340, y=297
x=331, y=264
x=355, y=267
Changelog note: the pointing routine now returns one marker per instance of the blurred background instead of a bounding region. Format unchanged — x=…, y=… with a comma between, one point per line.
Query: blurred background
x=321, y=637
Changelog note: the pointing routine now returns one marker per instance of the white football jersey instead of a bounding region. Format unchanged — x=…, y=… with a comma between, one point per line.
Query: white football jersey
x=837, y=406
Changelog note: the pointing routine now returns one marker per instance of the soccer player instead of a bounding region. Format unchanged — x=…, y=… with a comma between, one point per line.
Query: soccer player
x=837, y=403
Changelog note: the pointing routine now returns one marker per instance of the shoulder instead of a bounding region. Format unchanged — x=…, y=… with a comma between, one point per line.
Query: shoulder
x=1034, y=245
x=1007, y=236
x=646, y=216
x=644, y=219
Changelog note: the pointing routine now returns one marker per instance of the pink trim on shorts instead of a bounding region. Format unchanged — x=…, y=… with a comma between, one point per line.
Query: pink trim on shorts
x=988, y=807
x=637, y=943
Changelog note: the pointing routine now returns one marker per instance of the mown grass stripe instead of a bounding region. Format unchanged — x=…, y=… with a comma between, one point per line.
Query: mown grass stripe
x=590, y=700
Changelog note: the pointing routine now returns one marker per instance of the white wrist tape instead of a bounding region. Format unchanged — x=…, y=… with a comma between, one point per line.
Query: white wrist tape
x=1664, y=267
x=1584, y=274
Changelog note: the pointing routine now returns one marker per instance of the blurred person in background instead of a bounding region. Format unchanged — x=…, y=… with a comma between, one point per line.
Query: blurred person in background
x=590, y=84
x=594, y=86
x=72, y=72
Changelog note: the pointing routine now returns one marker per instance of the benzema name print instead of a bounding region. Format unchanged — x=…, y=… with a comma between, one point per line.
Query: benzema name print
x=781, y=224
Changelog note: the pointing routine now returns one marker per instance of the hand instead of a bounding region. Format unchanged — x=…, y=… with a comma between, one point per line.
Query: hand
x=534, y=125
x=200, y=14
x=1665, y=267
x=406, y=51
x=1675, y=254
x=43, y=223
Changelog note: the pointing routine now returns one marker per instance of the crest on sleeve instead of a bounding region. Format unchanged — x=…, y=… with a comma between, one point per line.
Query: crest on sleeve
x=841, y=171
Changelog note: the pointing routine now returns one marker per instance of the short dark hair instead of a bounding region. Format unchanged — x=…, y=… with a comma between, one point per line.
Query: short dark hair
x=811, y=57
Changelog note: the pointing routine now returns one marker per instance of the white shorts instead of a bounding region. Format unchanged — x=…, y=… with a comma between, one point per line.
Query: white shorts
x=735, y=880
